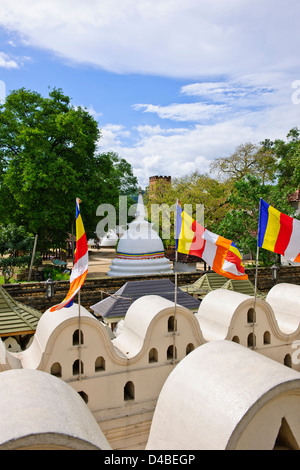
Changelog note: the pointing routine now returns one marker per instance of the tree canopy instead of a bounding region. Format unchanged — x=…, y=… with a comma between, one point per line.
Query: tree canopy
x=48, y=157
x=288, y=155
x=231, y=191
x=247, y=158
x=15, y=246
x=240, y=222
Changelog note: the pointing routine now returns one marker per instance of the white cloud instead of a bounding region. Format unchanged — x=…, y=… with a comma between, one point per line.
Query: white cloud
x=184, y=111
x=172, y=38
x=90, y=109
x=229, y=90
x=179, y=151
x=148, y=130
x=6, y=62
x=246, y=50
x=217, y=100
x=112, y=136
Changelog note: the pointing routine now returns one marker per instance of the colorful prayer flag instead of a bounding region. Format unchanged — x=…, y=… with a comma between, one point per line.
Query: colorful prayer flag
x=220, y=254
x=278, y=232
x=80, y=268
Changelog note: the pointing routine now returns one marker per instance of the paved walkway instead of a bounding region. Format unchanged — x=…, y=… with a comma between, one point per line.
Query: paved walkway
x=99, y=262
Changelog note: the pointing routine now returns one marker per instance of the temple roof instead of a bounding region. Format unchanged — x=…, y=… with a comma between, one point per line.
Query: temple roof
x=118, y=304
x=15, y=317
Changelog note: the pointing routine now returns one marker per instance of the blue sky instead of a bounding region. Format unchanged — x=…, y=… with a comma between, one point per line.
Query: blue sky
x=172, y=84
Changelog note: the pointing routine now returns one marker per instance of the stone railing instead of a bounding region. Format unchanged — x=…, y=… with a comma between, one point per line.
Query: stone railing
x=94, y=290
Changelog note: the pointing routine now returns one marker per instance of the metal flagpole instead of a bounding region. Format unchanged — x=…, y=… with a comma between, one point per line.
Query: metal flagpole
x=256, y=273
x=176, y=285
x=255, y=294
x=256, y=276
x=175, y=301
x=32, y=257
x=79, y=342
x=176, y=282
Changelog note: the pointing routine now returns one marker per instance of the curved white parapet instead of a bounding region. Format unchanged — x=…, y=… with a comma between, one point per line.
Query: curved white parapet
x=43, y=412
x=217, y=310
x=224, y=396
x=226, y=390
x=285, y=301
x=223, y=313
x=152, y=311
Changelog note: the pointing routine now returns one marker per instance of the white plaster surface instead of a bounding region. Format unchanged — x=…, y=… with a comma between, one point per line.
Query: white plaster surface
x=285, y=300
x=37, y=408
x=213, y=393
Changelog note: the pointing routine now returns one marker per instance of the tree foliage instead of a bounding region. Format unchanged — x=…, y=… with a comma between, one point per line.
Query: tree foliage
x=48, y=157
x=248, y=158
x=240, y=223
x=232, y=190
x=288, y=154
x=15, y=246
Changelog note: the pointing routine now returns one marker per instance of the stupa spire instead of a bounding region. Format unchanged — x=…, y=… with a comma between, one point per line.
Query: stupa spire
x=140, y=208
x=140, y=250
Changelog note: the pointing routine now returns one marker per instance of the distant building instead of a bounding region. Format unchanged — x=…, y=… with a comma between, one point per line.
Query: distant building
x=158, y=183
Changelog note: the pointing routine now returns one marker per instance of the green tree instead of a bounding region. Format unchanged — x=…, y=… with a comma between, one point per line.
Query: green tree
x=288, y=154
x=240, y=223
x=48, y=157
x=199, y=188
x=259, y=161
x=15, y=246
x=193, y=189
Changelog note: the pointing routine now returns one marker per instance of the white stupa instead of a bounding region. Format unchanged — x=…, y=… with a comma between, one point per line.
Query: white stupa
x=110, y=239
x=140, y=250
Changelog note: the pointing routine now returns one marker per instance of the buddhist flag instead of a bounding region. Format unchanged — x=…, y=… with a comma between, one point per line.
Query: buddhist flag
x=221, y=254
x=80, y=267
x=278, y=232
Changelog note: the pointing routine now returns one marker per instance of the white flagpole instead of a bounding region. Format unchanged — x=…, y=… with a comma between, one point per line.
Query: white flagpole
x=79, y=317
x=79, y=342
x=255, y=296
x=256, y=280
x=256, y=274
x=175, y=294
x=32, y=257
x=175, y=307
x=176, y=280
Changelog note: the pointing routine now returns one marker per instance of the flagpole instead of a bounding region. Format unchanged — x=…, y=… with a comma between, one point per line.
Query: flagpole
x=176, y=285
x=255, y=294
x=175, y=301
x=257, y=254
x=176, y=280
x=32, y=258
x=256, y=274
x=79, y=343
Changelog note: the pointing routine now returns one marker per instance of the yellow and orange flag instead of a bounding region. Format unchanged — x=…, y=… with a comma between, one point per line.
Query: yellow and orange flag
x=221, y=254
x=80, y=268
